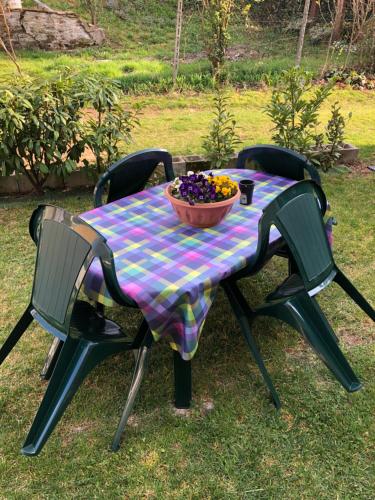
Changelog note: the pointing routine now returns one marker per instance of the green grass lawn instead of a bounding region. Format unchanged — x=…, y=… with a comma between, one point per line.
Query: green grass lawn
x=168, y=121
x=320, y=445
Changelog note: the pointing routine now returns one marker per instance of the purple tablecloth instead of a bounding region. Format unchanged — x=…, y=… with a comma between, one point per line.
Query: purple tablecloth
x=172, y=270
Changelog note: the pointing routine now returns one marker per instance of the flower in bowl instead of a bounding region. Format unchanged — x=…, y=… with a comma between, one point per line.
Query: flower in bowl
x=202, y=200
x=203, y=188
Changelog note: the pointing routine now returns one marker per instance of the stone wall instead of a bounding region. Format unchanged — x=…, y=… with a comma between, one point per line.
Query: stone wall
x=37, y=29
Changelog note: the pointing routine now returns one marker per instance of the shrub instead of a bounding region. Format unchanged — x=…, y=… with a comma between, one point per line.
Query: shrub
x=294, y=108
x=43, y=128
x=40, y=132
x=110, y=126
x=222, y=139
x=293, y=112
x=327, y=155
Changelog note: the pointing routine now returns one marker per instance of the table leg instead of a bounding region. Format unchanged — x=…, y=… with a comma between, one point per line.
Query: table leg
x=182, y=381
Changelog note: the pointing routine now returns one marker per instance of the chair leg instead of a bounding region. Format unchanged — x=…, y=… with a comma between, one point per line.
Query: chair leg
x=351, y=290
x=305, y=315
x=100, y=308
x=77, y=359
x=143, y=353
x=241, y=311
x=17, y=332
x=182, y=381
x=51, y=359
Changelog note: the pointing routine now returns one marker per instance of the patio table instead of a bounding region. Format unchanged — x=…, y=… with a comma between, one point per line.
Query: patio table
x=172, y=270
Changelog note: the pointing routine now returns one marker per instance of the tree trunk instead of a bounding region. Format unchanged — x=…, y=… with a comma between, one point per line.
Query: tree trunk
x=339, y=19
x=176, y=58
x=301, y=37
x=313, y=10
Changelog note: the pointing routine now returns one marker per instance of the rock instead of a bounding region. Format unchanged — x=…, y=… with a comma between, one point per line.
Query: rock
x=37, y=29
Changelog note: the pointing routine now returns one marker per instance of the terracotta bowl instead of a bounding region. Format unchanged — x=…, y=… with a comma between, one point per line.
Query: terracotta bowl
x=202, y=214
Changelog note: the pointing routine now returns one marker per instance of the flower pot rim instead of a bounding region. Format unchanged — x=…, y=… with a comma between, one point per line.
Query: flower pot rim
x=215, y=204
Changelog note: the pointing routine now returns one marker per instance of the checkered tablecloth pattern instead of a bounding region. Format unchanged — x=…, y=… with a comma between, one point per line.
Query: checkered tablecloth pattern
x=172, y=270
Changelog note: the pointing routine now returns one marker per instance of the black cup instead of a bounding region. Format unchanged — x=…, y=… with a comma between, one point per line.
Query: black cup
x=247, y=189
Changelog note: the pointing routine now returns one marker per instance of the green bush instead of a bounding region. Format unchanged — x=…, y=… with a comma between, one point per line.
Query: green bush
x=44, y=130
x=327, y=155
x=40, y=129
x=294, y=108
x=110, y=125
x=221, y=142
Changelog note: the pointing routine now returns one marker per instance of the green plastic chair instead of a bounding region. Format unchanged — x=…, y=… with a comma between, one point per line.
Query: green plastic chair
x=125, y=177
x=296, y=214
x=277, y=160
x=130, y=174
x=285, y=162
x=66, y=248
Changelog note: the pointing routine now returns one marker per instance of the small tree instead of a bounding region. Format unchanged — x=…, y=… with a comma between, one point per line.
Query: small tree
x=216, y=15
x=93, y=7
x=176, y=57
x=294, y=115
x=7, y=44
x=222, y=139
x=301, y=38
x=326, y=155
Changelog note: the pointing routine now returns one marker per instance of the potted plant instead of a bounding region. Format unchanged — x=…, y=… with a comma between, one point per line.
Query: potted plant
x=202, y=200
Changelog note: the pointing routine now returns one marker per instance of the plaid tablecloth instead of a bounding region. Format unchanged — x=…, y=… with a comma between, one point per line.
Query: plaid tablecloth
x=172, y=270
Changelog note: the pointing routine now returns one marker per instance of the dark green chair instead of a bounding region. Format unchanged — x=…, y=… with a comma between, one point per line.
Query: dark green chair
x=296, y=214
x=277, y=160
x=285, y=162
x=66, y=248
x=125, y=177
x=131, y=174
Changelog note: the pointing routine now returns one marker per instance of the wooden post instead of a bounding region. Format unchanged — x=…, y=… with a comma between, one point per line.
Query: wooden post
x=302, y=31
x=176, y=58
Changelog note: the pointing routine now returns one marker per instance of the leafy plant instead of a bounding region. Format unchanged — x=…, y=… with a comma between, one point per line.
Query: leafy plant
x=222, y=139
x=357, y=80
x=110, y=125
x=216, y=15
x=294, y=108
x=40, y=130
x=43, y=128
x=327, y=155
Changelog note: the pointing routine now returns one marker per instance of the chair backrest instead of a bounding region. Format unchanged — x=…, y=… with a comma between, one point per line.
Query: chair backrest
x=278, y=161
x=66, y=247
x=130, y=174
x=296, y=213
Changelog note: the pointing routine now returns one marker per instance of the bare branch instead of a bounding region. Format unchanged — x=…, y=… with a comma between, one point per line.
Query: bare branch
x=9, y=51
